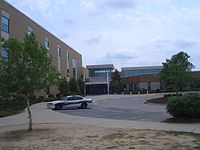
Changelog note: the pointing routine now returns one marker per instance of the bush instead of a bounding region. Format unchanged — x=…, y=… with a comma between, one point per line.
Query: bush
x=11, y=106
x=184, y=106
x=51, y=98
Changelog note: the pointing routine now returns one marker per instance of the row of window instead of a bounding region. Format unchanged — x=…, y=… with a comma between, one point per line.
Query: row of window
x=5, y=28
x=4, y=54
x=141, y=71
x=99, y=72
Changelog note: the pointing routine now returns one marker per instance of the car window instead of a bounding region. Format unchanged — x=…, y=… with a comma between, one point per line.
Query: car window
x=70, y=98
x=78, y=98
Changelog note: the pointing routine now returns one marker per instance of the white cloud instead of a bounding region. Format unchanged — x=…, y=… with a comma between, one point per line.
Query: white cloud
x=88, y=6
x=45, y=8
x=148, y=30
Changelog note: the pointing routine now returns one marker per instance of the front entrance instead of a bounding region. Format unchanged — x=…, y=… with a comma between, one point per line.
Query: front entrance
x=96, y=89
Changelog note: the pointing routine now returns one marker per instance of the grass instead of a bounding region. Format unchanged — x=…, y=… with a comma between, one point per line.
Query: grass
x=98, y=138
x=112, y=136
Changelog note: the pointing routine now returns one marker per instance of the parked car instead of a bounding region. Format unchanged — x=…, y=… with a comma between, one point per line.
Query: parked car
x=75, y=100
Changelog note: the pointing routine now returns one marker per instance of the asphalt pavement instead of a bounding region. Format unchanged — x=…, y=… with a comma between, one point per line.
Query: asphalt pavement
x=43, y=115
x=126, y=107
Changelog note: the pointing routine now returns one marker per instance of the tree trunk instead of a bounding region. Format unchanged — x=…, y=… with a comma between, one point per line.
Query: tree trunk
x=29, y=115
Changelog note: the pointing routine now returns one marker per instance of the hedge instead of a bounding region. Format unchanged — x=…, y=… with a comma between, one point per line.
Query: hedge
x=184, y=106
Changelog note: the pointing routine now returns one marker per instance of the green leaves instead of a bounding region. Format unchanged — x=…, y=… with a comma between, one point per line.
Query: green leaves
x=115, y=81
x=176, y=74
x=29, y=67
x=63, y=87
x=184, y=106
x=73, y=86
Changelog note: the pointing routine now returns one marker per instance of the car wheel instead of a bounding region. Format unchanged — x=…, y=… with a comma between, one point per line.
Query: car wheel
x=58, y=106
x=84, y=105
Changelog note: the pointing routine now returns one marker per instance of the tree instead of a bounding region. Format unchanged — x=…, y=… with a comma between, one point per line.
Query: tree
x=176, y=72
x=81, y=85
x=63, y=87
x=27, y=69
x=73, y=86
x=115, y=83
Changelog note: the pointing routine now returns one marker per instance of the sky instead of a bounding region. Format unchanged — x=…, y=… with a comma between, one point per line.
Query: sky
x=126, y=33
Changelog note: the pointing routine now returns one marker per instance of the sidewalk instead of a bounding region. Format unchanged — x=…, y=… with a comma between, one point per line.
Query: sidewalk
x=43, y=115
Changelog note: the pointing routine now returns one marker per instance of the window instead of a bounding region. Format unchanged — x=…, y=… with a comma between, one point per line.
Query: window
x=74, y=66
x=46, y=44
x=5, y=24
x=73, y=63
x=67, y=55
x=4, y=54
x=78, y=98
x=59, y=52
x=70, y=98
x=29, y=31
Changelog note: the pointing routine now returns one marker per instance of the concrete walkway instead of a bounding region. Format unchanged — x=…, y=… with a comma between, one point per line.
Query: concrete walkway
x=43, y=115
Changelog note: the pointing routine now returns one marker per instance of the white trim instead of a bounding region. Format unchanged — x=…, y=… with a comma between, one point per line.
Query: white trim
x=5, y=14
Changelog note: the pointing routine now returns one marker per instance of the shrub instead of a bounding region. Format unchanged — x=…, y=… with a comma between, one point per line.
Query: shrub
x=184, y=106
x=11, y=106
x=41, y=98
x=51, y=98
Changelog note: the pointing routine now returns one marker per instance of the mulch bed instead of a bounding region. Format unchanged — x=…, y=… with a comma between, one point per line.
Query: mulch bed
x=182, y=120
x=160, y=100
x=163, y=100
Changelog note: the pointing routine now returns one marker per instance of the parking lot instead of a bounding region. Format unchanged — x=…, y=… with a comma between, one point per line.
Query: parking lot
x=123, y=108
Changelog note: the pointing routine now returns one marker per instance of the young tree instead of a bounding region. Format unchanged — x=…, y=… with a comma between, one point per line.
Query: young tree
x=28, y=68
x=115, y=83
x=73, y=86
x=176, y=74
x=81, y=85
x=63, y=87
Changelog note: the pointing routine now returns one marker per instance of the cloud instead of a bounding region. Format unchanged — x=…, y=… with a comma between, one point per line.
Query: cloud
x=93, y=40
x=46, y=8
x=185, y=43
x=119, y=4
x=180, y=43
x=119, y=57
x=64, y=35
x=88, y=6
x=69, y=21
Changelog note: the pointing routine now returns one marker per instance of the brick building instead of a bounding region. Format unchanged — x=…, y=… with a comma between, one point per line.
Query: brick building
x=15, y=24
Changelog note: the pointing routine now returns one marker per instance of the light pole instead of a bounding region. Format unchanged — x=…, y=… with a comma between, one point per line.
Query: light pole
x=108, y=84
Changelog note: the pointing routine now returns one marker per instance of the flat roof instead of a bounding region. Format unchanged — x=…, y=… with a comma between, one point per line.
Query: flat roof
x=93, y=83
x=100, y=66
x=142, y=68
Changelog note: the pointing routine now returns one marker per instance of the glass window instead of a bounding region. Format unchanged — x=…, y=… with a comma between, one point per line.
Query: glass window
x=29, y=31
x=67, y=55
x=4, y=24
x=4, y=54
x=46, y=44
x=70, y=98
x=140, y=71
x=78, y=98
x=59, y=52
x=74, y=63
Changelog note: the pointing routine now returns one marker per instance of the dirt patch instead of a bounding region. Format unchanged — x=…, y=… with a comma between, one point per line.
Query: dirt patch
x=76, y=137
x=182, y=120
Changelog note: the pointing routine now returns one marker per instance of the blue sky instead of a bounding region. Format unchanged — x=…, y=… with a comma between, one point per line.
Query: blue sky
x=127, y=33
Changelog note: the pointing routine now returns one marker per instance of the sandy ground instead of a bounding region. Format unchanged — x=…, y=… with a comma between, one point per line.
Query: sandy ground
x=77, y=137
